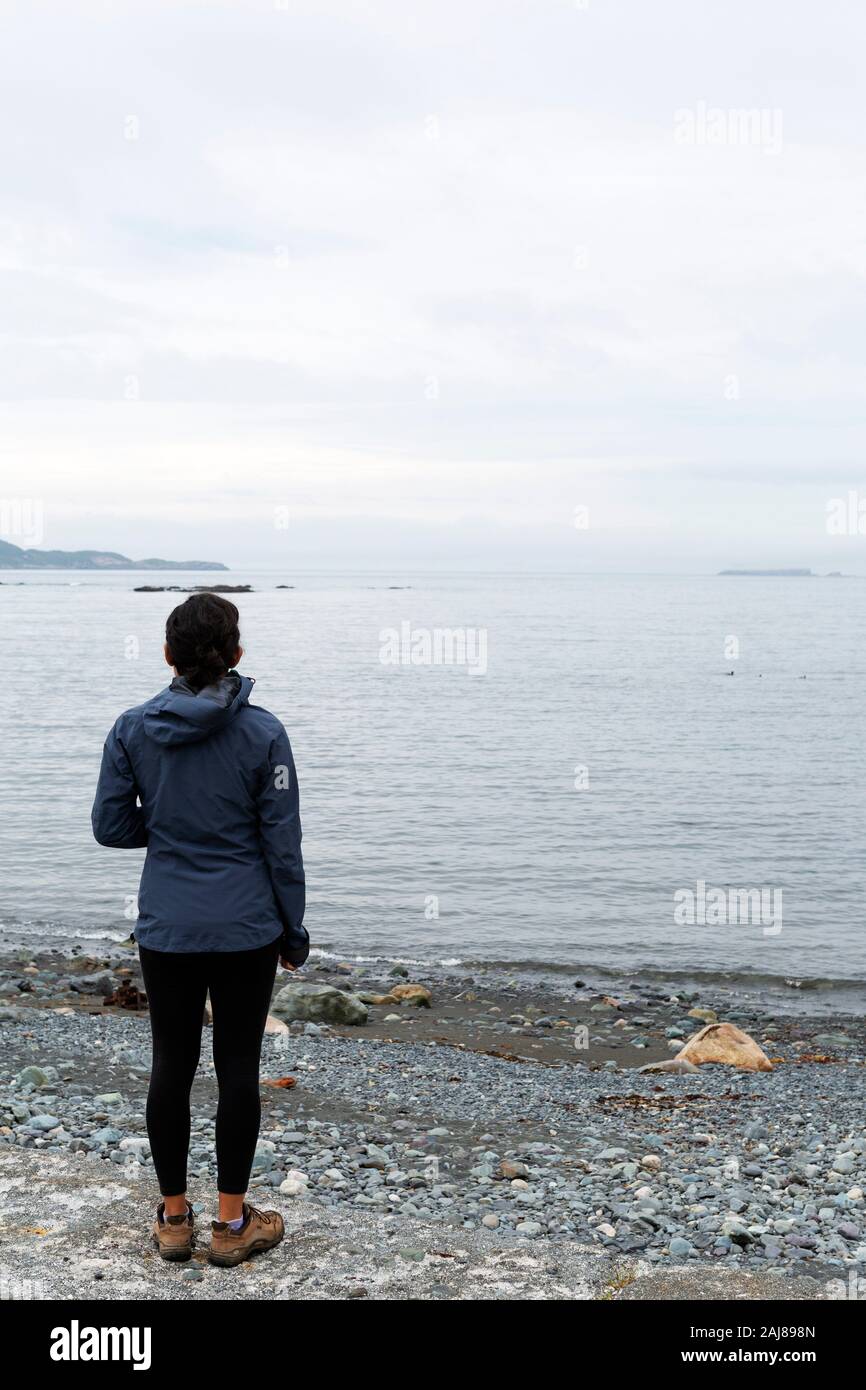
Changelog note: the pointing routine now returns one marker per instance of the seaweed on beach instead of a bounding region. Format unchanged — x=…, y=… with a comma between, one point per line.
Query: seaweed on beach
x=636, y=1101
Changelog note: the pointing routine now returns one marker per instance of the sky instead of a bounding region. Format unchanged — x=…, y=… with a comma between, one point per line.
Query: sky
x=500, y=284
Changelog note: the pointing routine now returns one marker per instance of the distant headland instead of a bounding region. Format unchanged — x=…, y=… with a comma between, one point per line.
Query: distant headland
x=15, y=558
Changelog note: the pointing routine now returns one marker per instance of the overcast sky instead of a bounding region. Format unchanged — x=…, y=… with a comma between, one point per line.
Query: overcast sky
x=424, y=276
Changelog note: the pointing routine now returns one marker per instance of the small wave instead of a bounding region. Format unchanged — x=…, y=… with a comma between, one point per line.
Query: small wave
x=741, y=978
x=322, y=953
x=34, y=932
x=92, y=934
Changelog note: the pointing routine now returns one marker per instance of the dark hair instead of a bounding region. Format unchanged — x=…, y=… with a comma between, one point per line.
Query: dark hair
x=203, y=638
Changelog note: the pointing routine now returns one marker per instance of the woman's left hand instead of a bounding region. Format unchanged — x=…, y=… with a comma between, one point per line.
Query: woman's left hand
x=287, y=964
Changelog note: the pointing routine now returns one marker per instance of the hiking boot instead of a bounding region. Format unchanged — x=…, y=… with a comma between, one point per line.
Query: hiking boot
x=173, y=1236
x=262, y=1230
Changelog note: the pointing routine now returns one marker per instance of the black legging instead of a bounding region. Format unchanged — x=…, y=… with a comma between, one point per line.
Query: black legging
x=240, y=984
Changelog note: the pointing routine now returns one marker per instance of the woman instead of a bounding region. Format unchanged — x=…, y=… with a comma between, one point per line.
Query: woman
x=206, y=782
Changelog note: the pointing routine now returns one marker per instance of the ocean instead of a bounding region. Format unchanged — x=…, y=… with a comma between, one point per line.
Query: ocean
x=620, y=775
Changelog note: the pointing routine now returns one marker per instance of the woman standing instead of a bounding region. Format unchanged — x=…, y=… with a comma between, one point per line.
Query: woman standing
x=206, y=782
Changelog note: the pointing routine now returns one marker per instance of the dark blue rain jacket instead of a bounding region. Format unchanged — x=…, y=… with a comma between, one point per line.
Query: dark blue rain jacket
x=207, y=783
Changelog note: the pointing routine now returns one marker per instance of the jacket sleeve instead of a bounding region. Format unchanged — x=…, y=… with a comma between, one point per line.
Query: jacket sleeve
x=117, y=819
x=280, y=831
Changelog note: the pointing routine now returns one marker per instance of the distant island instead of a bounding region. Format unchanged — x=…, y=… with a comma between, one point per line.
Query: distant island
x=197, y=589
x=14, y=558
x=784, y=574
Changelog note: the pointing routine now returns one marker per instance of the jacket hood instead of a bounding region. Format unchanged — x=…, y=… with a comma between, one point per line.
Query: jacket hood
x=180, y=714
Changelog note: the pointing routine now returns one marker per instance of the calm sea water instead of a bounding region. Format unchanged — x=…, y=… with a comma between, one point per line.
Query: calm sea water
x=548, y=810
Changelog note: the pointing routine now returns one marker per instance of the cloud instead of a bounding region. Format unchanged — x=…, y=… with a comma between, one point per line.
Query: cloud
x=403, y=265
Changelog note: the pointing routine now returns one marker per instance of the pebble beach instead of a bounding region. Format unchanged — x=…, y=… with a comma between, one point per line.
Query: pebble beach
x=473, y=1106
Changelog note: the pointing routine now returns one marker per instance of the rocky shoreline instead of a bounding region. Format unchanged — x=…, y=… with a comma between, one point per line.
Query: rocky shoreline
x=471, y=1105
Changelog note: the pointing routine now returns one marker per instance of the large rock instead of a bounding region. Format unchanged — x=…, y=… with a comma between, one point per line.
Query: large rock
x=318, y=1004
x=726, y=1045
